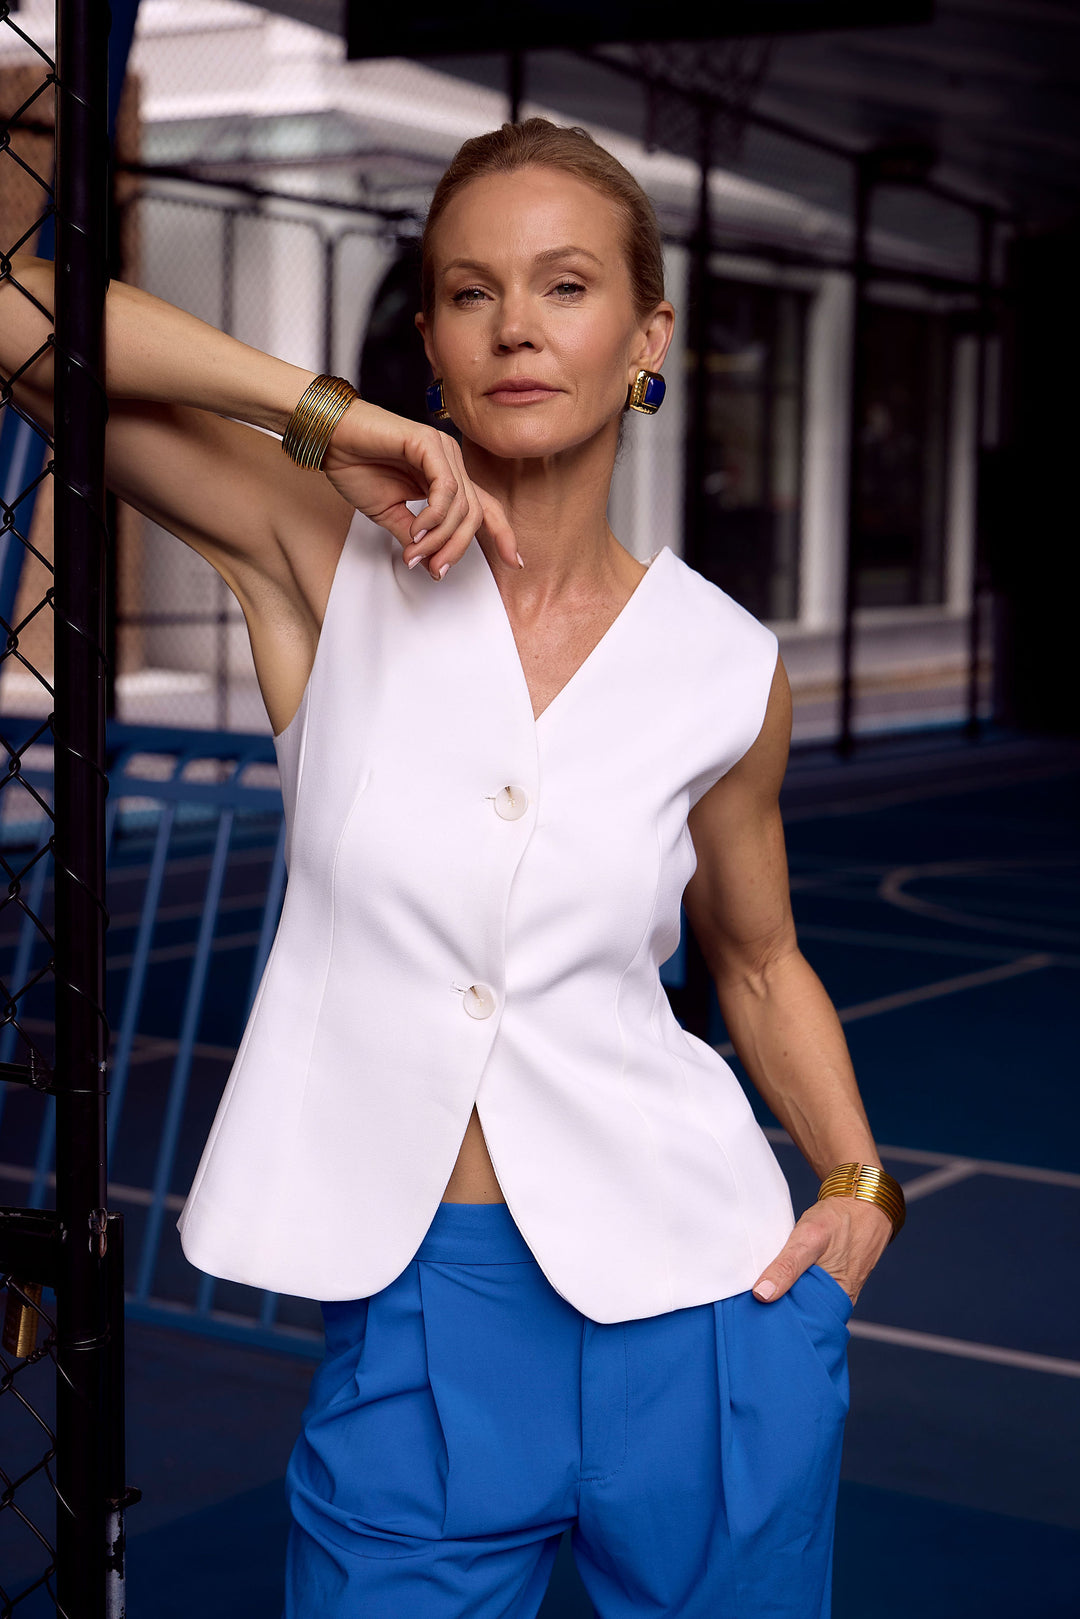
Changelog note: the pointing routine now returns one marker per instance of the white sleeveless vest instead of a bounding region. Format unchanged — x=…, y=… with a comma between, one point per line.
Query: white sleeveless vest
x=477, y=908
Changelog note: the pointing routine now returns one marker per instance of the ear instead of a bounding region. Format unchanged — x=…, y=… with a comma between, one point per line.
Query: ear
x=422, y=328
x=654, y=338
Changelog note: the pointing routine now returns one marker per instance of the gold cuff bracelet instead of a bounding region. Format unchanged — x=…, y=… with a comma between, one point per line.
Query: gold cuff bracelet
x=873, y=1185
x=318, y=410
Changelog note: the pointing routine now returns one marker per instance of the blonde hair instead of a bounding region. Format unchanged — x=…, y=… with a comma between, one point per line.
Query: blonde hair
x=539, y=143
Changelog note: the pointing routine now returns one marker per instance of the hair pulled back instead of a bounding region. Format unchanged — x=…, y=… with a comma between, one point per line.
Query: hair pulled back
x=539, y=143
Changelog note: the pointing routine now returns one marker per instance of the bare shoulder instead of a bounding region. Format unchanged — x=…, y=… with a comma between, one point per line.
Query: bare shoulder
x=753, y=784
x=271, y=530
x=265, y=525
x=737, y=900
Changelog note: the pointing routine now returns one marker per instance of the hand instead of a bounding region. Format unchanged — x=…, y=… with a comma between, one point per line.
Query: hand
x=844, y=1235
x=377, y=461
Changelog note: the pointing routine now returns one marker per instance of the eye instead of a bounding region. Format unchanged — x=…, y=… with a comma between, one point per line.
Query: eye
x=468, y=295
x=569, y=289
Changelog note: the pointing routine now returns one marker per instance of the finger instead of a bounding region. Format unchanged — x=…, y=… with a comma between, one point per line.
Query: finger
x=496, y=528
x=457, y=544
x=442, y=479
x=784, y=1271
x=439, y=534
x=493, y=524
x=398, y=521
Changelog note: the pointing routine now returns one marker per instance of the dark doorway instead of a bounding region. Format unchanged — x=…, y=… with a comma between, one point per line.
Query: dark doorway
x=393, y=368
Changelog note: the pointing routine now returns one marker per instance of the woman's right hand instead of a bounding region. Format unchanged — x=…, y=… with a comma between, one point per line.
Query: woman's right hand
x=377, y=461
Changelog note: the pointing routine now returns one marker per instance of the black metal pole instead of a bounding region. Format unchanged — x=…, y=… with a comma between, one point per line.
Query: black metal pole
x=696, y=999
x=845, y=741
x=978, y=559
x=696, y=515
x=515, y=83
x=83, y=1353
x=329, y=247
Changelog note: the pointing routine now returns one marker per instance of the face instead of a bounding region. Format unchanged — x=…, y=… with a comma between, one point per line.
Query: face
x=534, y=331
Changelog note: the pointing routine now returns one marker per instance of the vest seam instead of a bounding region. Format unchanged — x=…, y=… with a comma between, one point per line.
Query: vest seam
x=365, y=778
x=232, y=1085
x=317, y=1018
x=622, y=1062
x=740, y=1199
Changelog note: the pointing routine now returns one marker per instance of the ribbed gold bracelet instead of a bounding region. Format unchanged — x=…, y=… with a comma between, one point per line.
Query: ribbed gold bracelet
x=318, y=410
x=873, y=1185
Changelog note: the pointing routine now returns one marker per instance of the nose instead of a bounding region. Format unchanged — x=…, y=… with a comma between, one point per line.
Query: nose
x=515, y=329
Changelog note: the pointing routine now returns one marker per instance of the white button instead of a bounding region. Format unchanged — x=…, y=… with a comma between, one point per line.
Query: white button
x=511, y=803
x=479, y=1000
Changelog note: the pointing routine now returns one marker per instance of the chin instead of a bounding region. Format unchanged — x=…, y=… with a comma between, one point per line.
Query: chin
x=524, y=440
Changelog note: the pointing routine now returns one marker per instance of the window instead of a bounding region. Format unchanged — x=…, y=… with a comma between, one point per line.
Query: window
x=900, y=502
x=750, y=539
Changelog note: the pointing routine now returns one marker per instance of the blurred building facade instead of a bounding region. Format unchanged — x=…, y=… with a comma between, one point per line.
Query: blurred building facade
x=278, y=192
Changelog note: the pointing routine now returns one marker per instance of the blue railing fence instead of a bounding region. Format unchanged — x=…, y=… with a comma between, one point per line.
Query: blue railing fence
x=196, y=878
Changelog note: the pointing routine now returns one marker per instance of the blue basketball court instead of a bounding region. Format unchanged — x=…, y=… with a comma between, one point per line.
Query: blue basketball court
x=937, y=891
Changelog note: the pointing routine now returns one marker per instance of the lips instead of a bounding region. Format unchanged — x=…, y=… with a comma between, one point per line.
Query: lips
x=523, y=389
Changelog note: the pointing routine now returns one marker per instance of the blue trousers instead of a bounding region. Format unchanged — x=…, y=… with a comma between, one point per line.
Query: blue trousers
x=466, y=1415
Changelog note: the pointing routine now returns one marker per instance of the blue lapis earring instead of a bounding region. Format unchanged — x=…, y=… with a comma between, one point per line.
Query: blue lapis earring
x=436, y=404
x=647, y=392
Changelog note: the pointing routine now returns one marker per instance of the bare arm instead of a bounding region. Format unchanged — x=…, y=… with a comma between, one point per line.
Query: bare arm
x=182, y=446
x=173, y=452
x=172, y=380
x=780, y=1019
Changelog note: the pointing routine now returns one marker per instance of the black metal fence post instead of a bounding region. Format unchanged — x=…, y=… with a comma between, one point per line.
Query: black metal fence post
x=695, y=998
x=863, y=177
x=983, y=328
x=515, y=84
x=83, y=1350
x=699, y=283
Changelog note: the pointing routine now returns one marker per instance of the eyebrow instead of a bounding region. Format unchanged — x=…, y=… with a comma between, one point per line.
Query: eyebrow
x=549, y=256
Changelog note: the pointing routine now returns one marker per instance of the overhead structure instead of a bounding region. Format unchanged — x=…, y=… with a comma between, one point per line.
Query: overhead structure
x=429, y=30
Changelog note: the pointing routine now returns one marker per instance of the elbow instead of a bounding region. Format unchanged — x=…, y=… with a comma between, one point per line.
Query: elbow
x=752, y=971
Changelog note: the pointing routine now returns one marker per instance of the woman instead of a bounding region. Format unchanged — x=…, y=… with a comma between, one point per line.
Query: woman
x=561, y=1276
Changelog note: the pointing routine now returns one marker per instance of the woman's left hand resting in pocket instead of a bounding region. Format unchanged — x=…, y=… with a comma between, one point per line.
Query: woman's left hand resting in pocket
x=844, y=1235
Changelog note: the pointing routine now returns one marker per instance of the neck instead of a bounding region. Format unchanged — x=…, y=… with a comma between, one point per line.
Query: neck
x=557, y=507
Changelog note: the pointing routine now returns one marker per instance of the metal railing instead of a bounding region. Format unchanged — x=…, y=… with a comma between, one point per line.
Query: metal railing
x=195, y=839
x=196, y=877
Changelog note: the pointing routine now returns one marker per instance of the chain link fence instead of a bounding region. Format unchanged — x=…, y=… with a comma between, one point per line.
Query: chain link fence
x=62, y=1496
x=28, y=1358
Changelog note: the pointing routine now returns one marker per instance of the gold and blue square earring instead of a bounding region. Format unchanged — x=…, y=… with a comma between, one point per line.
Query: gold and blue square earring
x=436, y=403
x=646, y=392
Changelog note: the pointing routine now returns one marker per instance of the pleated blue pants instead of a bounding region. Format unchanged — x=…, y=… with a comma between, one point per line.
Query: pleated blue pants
x=466, y=1415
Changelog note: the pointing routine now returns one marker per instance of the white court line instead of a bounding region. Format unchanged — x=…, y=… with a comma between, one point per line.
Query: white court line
x=893, y=891
x=964, y=1349
x=181, y=952
x=927, y=992
x=913, y=942
x=141, y=1196
x=983, y=1166
x=853, y=804
x=960, y=1170
x=944, y=986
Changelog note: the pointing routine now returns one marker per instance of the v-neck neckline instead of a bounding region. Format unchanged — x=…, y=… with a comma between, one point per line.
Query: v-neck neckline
x=590, y=656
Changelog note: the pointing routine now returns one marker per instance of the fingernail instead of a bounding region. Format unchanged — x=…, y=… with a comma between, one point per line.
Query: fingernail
x=444, y=570
x=418, y=537
x=765, y=1290
x=521, y=562
x=419, y=557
